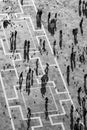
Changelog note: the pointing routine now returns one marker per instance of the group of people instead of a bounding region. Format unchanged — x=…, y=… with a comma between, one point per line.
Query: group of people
x=83, y=8
x=13, y=38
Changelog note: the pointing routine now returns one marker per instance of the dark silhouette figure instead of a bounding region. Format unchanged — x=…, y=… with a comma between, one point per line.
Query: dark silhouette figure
x=28, y=118
x=20, y=81
x=38, y=18
x=68, y=74
x=81, y=28
x=25, y=50
x=37, y=64
x=46, y=108
x=71, y=117
x=54, y=48
x=80, y=11
x=79, y=98
x=60, y=39
x=85, y=89
x=75, y=31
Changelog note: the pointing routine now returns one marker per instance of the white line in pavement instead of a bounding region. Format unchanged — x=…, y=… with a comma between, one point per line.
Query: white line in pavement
x=7, y=102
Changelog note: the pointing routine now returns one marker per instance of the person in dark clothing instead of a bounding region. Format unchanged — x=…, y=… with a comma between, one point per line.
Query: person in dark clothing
x=44, y=49
x=86, y=9
x=37, y=63
x=25, y=49
x=38, y=18
x=49, y=16
x=28, y=48
x=83, y=8
x=71, y=117
x=11, y=42
x=80, y=11
x=15, y=37
x=54, y=48
x=75, y=31
x=46, y=108
x=85, y=89
x=6, y=23
x=32, y=73
x=81, y=28
x=21, y=2
x=28, y=118
x=72, y=59
x=28, y=83
x=79, y=98
x=84, y=111
x=68, y=74
x=47, y=69
x=76, y=125
x=60, y=39
x=20, y=81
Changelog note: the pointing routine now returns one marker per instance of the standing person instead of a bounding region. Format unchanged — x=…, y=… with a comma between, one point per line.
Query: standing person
x=22, y=2
x=38, y=18
x=43, y=86
x=37, y=64
x=85, y=89
x=28, y=83
x=75, y=31
x=68, y=74
x=11, y=42
x=83, y=8
x=44, y=49
x=15, y=39
x=28, y=49
x=84, y=112
x=47, y=69
x=86, y=9
x=81, y=28
x=79, y=98
x=71, y=117
x=20, y=81
x=32, y=80
x=60, y=39
x=80, y=11
x=54, y=48
x=25, y=49
x=46, y=108
x=28, y=118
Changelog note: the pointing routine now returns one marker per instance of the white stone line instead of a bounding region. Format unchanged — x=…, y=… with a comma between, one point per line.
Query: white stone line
x=7, y=102
x=16, y=95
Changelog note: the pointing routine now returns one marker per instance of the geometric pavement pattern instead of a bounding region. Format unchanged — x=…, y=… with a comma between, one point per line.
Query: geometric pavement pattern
x=17, y=103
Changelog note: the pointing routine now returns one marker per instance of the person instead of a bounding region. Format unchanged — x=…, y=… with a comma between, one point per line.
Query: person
x=28, y=48
x=46, y=108
x=68, y=74
x=37, y=63
x=22, y=2
x=60, y=39
x=32, y=73
x=47, y=69
x=20, y=81
x=79, y=98
x=54, y=47
x=83, y=8
x=71, y=117
x=80, y=2
x=44, y=49
x=15, y=35
x=25, y=49
x=38, y=18
x=75, y=31
x=28, y=84
x=80, y=24
x=28, y=118
x=11, y=42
